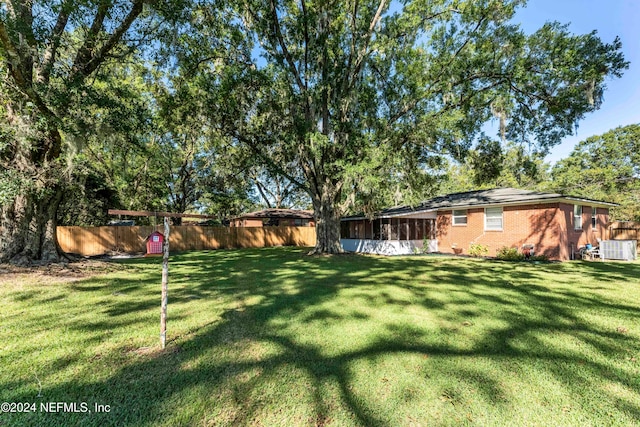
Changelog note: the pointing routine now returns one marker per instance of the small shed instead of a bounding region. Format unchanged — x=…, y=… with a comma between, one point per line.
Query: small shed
x=154, y=243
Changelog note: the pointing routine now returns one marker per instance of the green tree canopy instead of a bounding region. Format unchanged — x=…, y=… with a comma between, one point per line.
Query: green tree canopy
x=366, y=97
x=605, y=167
x=508, y=166
x=53, y=56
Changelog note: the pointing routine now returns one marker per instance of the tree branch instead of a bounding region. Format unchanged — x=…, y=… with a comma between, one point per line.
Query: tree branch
x=261, y=189
x=305, y=19
x=255, y=147
x=363, y=52
x=14, y=59
x=52, y=49
x=280, y=39
x=86, y=50
x=22, y=81
x=82, y=70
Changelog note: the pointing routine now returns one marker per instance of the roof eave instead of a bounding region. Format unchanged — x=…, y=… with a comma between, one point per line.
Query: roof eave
x=541, y=201
x=567, y=200
x=595, y=203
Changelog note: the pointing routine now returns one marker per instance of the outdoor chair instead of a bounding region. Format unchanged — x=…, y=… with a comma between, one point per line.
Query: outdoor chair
x=590, y=254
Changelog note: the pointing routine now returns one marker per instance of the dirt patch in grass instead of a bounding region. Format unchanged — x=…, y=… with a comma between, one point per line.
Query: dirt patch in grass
x=55, y=273
x=153, y=352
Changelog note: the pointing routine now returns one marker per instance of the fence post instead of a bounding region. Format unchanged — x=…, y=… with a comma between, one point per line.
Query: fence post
x=165, y=284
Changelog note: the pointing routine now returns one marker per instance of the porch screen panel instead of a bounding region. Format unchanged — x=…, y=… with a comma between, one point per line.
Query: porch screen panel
x=394, y=228
x=344, y=229
x=385, y=228
x=354, y=229
x=368, y=230
x=377, y=229
x=403, y=229
x=419, y=229
x=430, y=229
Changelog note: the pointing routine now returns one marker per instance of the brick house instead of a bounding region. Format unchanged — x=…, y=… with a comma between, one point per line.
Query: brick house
x=274, y=217
x=550, y=224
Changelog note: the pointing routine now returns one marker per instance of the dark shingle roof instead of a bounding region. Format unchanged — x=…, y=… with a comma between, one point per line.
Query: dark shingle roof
x=496, y=196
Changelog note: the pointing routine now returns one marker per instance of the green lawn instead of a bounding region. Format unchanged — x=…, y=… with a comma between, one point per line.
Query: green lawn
x=276, y=338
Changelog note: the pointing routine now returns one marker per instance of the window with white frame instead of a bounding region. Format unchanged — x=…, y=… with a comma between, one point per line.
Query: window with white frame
x=577, y=217
x=594, y=218
x=460, y=217
x=493, y=219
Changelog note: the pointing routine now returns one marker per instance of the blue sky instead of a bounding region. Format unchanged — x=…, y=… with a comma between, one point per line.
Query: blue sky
x=610, y=18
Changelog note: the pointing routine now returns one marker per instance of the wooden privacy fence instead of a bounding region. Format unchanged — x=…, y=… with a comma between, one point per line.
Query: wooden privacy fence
x=89, y=241
x=625, y=230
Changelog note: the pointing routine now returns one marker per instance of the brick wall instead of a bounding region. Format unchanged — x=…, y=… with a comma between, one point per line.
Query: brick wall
x=585, y=234
x=549, y=227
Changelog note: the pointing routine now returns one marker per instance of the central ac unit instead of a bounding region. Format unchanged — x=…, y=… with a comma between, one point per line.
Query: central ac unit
x=618, y=249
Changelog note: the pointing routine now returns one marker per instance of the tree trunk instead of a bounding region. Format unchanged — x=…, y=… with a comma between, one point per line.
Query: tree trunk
x=28, y=229
x=327, y=216
x=28, y=219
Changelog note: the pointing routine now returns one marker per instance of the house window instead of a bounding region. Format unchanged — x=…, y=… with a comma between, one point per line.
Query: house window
x=493, y=219
x=459, y=217
x=577, y=217
x=594, y=218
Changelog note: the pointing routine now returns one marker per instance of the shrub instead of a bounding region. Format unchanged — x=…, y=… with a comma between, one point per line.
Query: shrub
x=478, y=250
x=425, y=245
x=509, y=254
x=512, y=254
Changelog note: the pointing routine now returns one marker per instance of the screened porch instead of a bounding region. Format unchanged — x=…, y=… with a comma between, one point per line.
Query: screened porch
x=389, y=229
x=399, y=235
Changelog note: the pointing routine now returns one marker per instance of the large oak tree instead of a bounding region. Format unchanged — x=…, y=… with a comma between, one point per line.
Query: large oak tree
x=51, y=53
x=363, y=96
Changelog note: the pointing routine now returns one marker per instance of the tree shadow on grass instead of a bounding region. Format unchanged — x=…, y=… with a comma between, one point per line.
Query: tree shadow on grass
x=258, y=360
